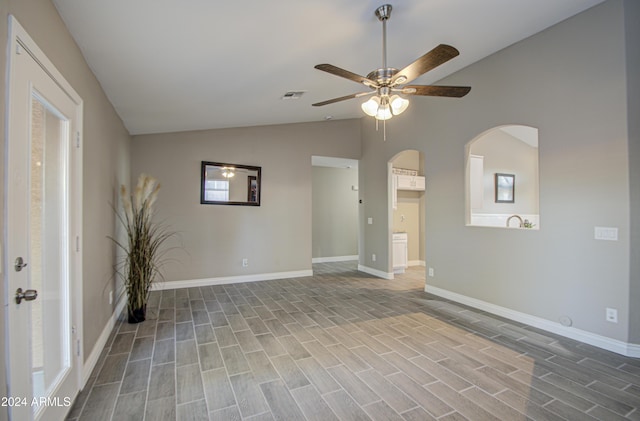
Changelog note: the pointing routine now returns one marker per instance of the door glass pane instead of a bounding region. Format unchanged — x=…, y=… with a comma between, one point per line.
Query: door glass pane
x=50, y=354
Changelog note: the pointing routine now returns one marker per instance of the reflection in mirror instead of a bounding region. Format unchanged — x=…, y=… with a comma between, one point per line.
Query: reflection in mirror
x=229, y=184
x=502, y=178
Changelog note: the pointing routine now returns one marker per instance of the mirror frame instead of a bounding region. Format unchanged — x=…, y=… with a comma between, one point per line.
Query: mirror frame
x=505, y=187
x=257, y=179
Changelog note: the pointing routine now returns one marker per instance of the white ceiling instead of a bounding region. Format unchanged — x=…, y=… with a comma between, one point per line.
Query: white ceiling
x=174, y=65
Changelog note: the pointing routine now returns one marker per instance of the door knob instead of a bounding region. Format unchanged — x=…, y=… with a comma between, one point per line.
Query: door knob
x=19, y=264
x=28, y=295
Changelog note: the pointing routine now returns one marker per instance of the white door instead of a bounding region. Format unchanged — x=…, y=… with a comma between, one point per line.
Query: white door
x=42, y=252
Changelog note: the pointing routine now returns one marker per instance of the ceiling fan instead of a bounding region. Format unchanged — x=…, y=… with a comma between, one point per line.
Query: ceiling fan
x=387, y=83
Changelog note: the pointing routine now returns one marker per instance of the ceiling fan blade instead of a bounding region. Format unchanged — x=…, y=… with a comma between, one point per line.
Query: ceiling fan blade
x=343, y=98
x=434, y=58
x=429, y=90
x=330, y=68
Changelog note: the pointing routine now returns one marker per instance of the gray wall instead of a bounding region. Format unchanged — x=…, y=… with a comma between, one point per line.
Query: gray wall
x=570, y=82
x=276, y=236
x=334, y=212
x=105, y=157
x=632, y=32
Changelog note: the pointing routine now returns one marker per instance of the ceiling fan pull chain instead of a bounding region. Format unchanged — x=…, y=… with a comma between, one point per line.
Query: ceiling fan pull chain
x=384, y=130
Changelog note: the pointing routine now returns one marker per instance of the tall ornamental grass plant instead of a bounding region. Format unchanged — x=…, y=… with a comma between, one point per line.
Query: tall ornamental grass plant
x=142, y=247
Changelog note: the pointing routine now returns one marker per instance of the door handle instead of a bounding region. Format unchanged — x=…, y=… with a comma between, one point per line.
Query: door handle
x=19, y=264
x=28, y=295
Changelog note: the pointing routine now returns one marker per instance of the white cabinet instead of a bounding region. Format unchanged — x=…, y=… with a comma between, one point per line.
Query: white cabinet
x=400, y=252
x=410, y=182
x=405, y=182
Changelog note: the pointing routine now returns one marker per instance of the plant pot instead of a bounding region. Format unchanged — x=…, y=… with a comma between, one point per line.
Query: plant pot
x=137, y=315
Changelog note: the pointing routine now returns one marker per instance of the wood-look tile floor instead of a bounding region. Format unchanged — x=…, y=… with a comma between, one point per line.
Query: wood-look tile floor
x=343, y=345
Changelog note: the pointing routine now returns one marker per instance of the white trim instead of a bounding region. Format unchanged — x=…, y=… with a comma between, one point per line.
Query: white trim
x=417, y=263
x=376, y=272
x=98, y=347
x=620, y=347
x=633, y=350
x=190, y=283
x=334, y=259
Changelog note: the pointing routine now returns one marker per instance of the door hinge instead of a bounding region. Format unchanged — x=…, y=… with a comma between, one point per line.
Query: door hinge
x=77, y=347
x=77, y=139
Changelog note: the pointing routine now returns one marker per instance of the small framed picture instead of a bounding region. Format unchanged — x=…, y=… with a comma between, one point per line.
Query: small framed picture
x=505, y=188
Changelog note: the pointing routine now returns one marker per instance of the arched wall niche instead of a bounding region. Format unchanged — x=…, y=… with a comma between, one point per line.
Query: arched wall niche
x=502, y=181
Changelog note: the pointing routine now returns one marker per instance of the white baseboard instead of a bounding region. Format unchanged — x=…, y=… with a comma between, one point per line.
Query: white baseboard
x=417, y=263
x=92, y=360
x=334, y=259
x=633, y=350
x=230, y=279
x=614, y=345
x=376, y=272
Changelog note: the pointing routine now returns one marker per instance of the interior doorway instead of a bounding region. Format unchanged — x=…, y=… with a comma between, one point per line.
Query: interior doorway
x=335, y=214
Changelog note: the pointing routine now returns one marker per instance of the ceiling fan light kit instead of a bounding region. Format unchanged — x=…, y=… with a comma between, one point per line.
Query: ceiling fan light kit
x=386, y=82
x=383, y=108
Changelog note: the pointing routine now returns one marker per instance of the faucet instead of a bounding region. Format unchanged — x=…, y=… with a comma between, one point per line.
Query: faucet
x=518, y=218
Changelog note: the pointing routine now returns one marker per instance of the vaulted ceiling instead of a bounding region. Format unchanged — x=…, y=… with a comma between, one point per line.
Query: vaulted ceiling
x=175, y=65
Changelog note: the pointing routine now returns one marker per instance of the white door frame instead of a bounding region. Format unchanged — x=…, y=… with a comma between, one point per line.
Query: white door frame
x=21, y=42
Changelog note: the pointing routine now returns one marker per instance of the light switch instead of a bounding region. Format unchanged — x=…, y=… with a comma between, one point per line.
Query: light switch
x=370, y=221
x=606, y=233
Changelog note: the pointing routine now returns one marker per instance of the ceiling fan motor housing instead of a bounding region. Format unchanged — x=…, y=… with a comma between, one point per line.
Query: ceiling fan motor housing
x=382, y=76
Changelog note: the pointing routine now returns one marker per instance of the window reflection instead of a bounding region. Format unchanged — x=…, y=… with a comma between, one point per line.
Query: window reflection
x=230, y=184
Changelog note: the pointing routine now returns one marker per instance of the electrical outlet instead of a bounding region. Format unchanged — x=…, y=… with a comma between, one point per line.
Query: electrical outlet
x=373, y=257
x=432, y=272
x=245, y=262
x=370, y=221
x=111, y=297
x=612, y=315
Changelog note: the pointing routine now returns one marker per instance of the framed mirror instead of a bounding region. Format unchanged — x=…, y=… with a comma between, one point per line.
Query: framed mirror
x=229, y=184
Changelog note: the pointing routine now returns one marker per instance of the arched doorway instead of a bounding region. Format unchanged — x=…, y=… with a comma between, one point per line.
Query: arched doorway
x=407, y=210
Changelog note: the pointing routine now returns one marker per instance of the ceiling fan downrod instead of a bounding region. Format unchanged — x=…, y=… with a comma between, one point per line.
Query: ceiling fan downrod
x=384, y=13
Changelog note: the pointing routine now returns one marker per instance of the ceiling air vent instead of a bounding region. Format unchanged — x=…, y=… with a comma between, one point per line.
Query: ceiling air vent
x=293, y=95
